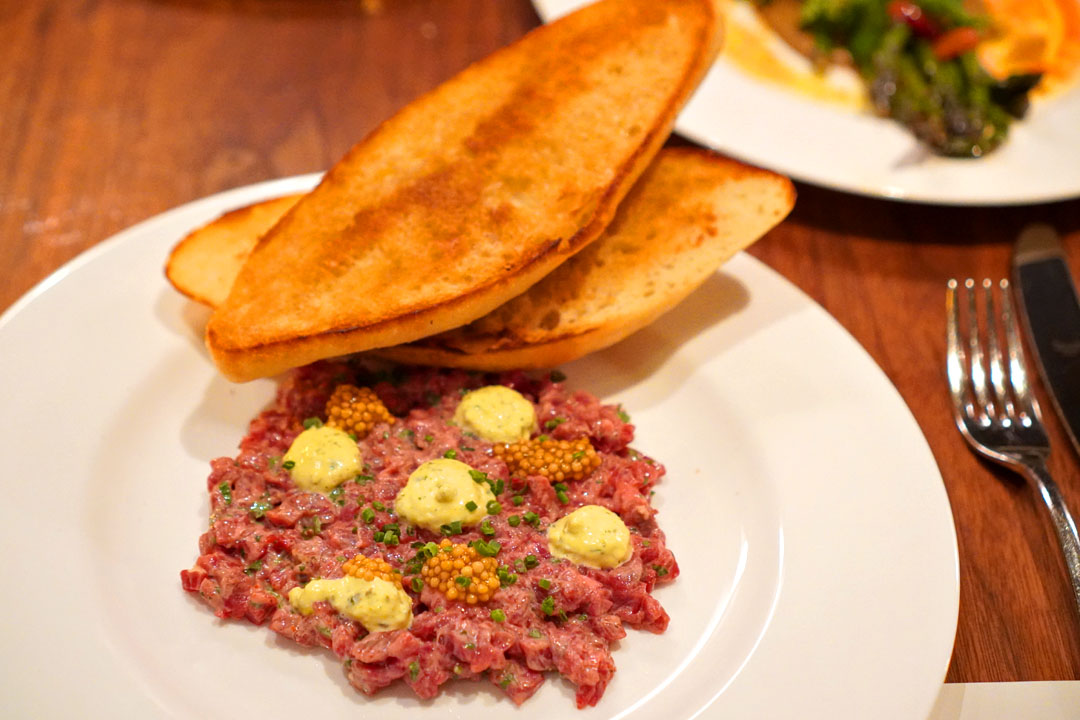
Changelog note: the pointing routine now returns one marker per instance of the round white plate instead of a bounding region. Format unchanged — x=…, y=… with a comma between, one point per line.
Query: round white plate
x=772, y=127
x=819, y=565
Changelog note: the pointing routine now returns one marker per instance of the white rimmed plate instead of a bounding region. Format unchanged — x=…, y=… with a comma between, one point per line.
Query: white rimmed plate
x=844, y=149
x=819, y=565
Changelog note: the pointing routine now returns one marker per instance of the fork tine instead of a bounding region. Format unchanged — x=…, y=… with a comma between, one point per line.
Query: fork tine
x=1017, y=363
x=997, y=364
x=983, y=403
x=955, y=361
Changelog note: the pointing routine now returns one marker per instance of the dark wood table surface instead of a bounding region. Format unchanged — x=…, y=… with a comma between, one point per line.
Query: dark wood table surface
x=114, y=110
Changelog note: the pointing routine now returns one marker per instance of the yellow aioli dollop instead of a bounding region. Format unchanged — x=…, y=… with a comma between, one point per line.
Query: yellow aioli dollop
x=497, y=414
x=438, y=493
x=376, y=604
x=591, y=535
x=322, y=458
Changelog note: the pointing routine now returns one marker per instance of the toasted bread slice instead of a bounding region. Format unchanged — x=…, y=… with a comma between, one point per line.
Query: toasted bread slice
x=687, y=214
x=204, y=265
x=471, y=193
x=691, y=211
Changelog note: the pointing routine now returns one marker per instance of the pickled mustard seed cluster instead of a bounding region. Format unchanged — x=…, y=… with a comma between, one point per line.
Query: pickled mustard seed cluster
x=356, y=410
x=556, y=460
x=460, y=573
x=369, y=568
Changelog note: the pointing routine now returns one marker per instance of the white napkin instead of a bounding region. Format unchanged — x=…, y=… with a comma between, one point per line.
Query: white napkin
x=1008, y=701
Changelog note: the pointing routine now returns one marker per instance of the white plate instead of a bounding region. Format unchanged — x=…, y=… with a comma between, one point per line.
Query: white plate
x=815, y=538
x=832, y=146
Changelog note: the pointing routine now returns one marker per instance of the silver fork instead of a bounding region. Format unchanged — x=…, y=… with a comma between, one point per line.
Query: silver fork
x=995, y=409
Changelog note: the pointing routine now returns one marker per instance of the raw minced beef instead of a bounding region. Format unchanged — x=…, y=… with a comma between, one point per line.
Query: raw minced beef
x=266, y=537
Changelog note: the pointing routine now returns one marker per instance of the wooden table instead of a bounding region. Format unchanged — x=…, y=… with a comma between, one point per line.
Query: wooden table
x=114, y=110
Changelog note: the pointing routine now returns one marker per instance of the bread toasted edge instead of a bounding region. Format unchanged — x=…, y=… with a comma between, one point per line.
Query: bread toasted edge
x=249, y=362
x=504, y=354
x=203, y=265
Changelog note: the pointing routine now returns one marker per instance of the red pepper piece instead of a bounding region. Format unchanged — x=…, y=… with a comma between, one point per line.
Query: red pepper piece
x=912, y=14
x=955, y=42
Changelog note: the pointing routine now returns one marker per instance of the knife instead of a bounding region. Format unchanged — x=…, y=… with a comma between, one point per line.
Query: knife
x=1051, y=313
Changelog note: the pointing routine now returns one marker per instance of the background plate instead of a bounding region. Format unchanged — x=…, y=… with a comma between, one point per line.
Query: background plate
x=814, y=535
x=835, y=147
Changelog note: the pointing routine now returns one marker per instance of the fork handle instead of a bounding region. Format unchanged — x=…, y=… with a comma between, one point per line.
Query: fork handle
x=1063, y=522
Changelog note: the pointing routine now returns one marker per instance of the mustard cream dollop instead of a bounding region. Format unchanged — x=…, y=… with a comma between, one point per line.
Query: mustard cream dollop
x=496, y=413
x=376, y=604
x=322, y=458
x=439, y=492
x=591, y=535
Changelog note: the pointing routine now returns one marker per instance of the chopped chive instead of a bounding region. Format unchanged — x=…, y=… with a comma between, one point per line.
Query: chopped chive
x=453, y=528
x=378, y=505
x=336, y=495
x=363, y=479
x=623, y=414
x=478, y=476
x=379, y=536
x=548, y=606
x=324, y=631
x=467, y=449
x=578, y=455
x=486, y=528
x=391, y=539
x=368, y=515
x=531, y=562
x=451, y=454
x=417, y=584
x=518, y=500
x=487, y=549
x=226, y=492
x=463, y=581
x=498, y=615
x=253, y=567
x=513, y=520
x=554, y=423
x=563, y=497
x=531, y=518
x=414, y=670
x=470, y=506
x=661, y=571
x=544, y=583
x=494, y=507
x=534, y=633
x=288, y=464
x=498, y=487
x=258, y=509
x=312, y=422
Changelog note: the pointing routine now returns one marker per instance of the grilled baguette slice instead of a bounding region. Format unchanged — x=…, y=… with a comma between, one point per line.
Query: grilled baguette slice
x=204, y=265
x=471, y=193
x=689, y=213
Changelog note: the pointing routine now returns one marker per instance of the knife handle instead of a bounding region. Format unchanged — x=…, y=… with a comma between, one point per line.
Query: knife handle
x=1063, y=522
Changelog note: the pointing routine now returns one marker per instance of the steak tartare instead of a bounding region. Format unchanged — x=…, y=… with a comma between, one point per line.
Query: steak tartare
x=268, y=537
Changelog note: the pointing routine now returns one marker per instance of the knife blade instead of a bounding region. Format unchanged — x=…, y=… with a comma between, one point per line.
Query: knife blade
x=1051, y=314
